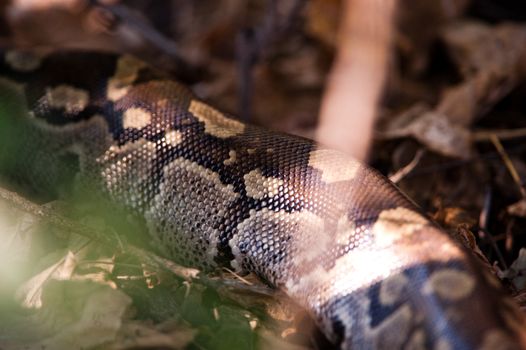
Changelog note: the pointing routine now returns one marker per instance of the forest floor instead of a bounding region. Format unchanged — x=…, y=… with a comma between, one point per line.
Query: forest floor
x=450, y=132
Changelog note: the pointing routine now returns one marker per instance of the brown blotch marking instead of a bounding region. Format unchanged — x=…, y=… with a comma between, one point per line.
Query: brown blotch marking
x=304, y=227
x=67, y=97
x=173, y=137
x=392, y=288
x=126, y=169
x=22, y=61
x=395, y=224
x=126, y=73
x=198, y=192
x=334, y=166
x=216, y=123
x=312, y=241
x=449, y=284
x=232, y=157
x=136, y=118
x=251, y=151
x=259, y=186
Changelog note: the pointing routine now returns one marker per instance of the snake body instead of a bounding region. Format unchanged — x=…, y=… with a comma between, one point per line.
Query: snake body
x=334, y=234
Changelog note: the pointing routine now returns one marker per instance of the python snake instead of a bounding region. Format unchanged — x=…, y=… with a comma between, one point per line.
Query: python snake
x=334, y=234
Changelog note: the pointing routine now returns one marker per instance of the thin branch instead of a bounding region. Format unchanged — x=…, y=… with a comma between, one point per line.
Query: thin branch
x=153, y=259
x=401, y=173
x=48, y=214
x=509, y=164
x=156, y=48
x=483, y=232
x=485, y=136
x=488, y=237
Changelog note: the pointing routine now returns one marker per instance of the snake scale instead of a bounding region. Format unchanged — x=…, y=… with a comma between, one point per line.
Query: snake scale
x=332, y=233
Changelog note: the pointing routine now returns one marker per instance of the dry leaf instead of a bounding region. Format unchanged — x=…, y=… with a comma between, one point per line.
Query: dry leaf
x=419, y=23
x=435, y=131
x=517, y=209
x=73, y=316
x=517, y=271
x=30, y=293
x=492, y=60
x=475, y=46
x=94, y=320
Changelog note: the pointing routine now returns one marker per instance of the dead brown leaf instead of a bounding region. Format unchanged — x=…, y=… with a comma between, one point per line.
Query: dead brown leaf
x=517, y=271
x=30, y=293
x=73, y=315
x=492, y=60
x=432, y=129
x=517, y=209
x=419, y=23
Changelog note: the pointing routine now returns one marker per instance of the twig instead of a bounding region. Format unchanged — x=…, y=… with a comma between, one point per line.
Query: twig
x=460, y=162
x=236, y=275
x=47, y=214
x=488, y=237
x=508, y=243
x=483, y=231
x=109, y=263
x=484, y=214
x=401, y=173
x=509, y=164
x=156, y=260
x=139, y=25
x=134, y=22
x=166, y=52
x=486, y=136
x=236, y=285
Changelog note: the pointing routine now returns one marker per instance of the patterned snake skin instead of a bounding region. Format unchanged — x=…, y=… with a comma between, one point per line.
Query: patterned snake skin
x=335, y=235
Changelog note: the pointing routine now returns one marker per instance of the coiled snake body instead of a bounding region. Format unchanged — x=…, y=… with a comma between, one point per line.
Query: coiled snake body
x=335, y=235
